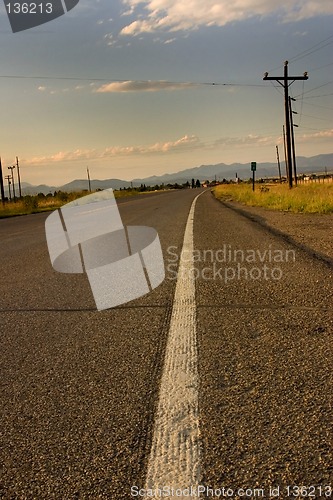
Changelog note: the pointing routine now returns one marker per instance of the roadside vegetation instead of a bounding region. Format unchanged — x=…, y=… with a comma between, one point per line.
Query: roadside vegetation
x=304, y=198
x=42, y=203
x=39, y=203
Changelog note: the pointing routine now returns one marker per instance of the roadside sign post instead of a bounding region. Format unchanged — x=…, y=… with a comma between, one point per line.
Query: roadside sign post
x=253, y=169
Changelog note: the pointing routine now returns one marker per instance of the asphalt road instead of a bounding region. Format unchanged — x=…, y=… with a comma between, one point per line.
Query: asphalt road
x=79, y=388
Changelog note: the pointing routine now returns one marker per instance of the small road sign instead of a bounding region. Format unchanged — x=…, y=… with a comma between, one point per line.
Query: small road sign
x=253, y=166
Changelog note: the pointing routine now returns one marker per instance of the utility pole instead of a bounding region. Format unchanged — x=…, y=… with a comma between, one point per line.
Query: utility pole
x=18, y=176
x=278, y=162
x=253, y=170
x=2, y=189
x=13, y=180
x=89, y=183
x=8, y=177
x=285, y=152
x=292, y=137
x=284, y=82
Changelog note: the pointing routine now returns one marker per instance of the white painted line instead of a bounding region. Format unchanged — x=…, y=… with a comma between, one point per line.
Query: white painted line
x=174, y=460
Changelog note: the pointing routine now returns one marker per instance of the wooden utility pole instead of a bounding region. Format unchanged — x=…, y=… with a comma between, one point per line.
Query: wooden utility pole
x=2, y=189
x=293, y=138
x=89, y=183
x=253, y=170
x=8, y=177
x=285, y=152
x=18, y=176
x=284, y=81
x=13, y=180
x=278, y=162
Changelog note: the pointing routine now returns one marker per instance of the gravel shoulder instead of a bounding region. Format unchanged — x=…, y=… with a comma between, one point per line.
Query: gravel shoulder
x=264, y=357
x=313, y=231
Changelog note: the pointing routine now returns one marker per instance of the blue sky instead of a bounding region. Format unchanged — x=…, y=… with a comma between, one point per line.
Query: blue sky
x=127, y=88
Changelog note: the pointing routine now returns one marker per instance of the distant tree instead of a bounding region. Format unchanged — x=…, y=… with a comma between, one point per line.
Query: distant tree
x=193, y=183
x=62, y=195
x=198, y=183
x=187, y=185
x=30, y=202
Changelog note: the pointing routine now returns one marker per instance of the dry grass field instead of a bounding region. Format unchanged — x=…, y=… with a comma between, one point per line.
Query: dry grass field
x=305, y=198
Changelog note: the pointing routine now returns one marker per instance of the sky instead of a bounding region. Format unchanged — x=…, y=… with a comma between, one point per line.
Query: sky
x=133, y=88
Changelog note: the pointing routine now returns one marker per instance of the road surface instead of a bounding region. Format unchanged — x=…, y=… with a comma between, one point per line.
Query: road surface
x=81, y=389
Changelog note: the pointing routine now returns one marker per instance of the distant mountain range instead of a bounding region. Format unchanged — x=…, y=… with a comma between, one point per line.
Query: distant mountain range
x=314, y=164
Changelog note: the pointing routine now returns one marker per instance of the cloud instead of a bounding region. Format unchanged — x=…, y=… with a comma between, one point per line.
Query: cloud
x=66, y=90
x=248, y=140
x=185, y=144
x=179, y=145
x=322, y=135
x=62, y=156
x=176, y=15
x=170, y=40
x=143, y=86
x=110, y=39
x=270, y=140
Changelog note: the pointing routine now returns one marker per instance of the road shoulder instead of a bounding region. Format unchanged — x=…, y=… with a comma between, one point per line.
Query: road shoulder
x=312, y=232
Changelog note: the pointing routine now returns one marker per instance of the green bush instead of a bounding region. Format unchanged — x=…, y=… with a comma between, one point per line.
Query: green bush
x=30, y=202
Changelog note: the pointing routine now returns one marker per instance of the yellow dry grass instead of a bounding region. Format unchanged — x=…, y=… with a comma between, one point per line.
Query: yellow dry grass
x=304, y=198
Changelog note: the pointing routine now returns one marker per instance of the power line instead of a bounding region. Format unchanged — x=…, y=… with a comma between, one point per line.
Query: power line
x=301, y=112
x=277, y=89
x=315, y=96
x=318, y=118
x=308, y=51
x=319, y=129
x=113, y=80
x=321, y=67
x=75, y=78
x=315, y=88
x=312, y=49
x=317, y=106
